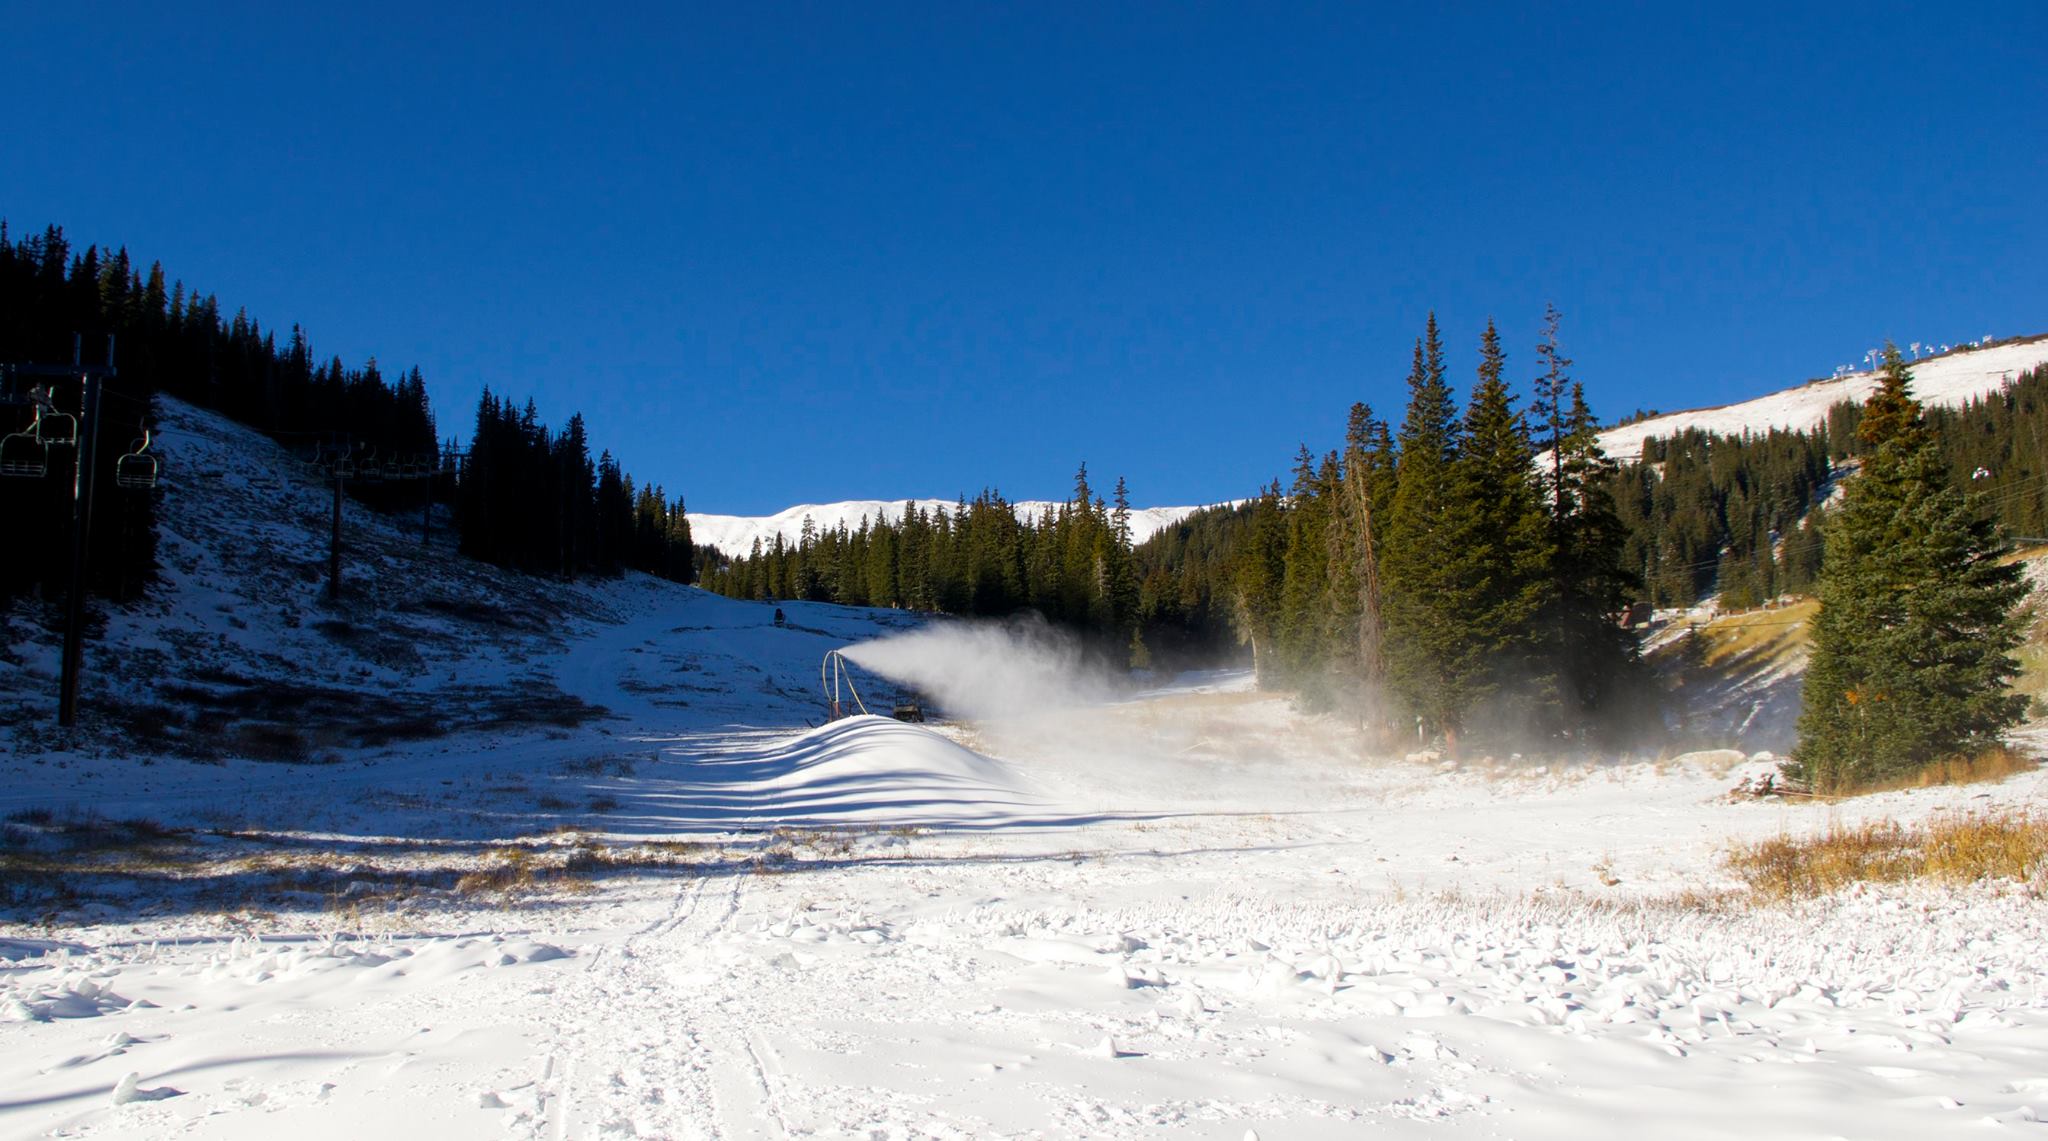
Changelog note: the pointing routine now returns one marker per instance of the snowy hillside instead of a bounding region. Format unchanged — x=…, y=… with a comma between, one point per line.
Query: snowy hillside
x=735, y=534
x=1949, y=379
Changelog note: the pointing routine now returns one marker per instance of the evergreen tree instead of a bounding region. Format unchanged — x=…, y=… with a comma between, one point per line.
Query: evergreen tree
x=1501, y=526
x=1300, y=642
x=1431, y=661
x=1261, y=568
x=1912, y=647
x=1365, y=496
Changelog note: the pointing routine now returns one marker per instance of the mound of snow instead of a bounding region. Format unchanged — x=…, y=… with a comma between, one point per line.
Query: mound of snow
x=871, y=770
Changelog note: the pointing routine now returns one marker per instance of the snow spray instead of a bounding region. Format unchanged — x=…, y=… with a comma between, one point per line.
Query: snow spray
x=988, y=670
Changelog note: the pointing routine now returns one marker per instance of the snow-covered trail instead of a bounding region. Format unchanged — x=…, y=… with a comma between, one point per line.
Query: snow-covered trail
x=1195, y=914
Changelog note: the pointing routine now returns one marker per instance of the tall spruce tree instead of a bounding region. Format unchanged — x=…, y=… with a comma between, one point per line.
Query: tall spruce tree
x=1592, y=664
x=1431, y=661
x=1503, y=526
x=1912, y=647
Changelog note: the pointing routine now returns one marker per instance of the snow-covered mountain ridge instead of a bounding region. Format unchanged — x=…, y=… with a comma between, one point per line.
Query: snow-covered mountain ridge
x=735, y=534
x=1949, y=379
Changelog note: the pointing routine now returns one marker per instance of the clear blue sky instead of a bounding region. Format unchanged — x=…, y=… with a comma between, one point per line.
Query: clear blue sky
x=786, y=254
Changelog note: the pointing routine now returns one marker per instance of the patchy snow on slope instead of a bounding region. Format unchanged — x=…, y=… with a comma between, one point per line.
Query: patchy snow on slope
x=1950, y=379
x=735, y=534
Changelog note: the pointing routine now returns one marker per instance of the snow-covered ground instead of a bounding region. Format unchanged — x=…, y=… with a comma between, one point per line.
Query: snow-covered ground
x=1186, y=911
x=735, y=534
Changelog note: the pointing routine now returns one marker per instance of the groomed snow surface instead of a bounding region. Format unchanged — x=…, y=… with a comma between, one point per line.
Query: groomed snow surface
x=1192, y=913
x=1187, y=911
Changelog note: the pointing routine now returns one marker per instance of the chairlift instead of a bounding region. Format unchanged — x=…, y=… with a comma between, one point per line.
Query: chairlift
x=368, y=470
x=23, y=455
x=137, y=469
x=56, y=429
x=394, y=470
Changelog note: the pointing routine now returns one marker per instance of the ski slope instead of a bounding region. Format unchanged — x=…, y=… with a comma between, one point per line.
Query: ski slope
x=1951, y=379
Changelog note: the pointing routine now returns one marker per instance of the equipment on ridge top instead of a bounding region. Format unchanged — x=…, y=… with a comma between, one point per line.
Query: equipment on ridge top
x=832, y=675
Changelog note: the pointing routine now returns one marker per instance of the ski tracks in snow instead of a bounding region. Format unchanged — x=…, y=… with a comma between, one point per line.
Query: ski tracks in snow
x=657, y=1039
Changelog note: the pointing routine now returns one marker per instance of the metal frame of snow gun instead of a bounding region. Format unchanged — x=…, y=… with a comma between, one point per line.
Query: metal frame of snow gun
x=832, y=676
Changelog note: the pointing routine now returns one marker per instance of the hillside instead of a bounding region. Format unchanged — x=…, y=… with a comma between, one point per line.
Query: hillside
x=1940, y=381
x=236, y=654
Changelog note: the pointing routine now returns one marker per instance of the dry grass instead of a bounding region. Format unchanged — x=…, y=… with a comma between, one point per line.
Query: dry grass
x=1771, y=635
x=1993, y=764
x=570, y=864
x=1952, y=849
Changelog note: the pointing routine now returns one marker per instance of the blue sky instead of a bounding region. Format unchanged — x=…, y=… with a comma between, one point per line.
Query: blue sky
x=779, y=254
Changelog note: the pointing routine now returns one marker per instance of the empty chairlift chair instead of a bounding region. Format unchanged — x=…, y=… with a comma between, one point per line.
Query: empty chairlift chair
x=137, y=469
x=23, y=455
x=56, y=429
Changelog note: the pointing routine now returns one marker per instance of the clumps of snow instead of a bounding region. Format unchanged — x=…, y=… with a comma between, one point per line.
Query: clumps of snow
x=129, y=1089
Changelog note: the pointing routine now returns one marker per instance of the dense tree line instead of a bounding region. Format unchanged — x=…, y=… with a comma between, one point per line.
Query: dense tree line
x=1705, y=514
x=1186, y=574
x=535, y=501
x=1436, y=579
x=1072, y=564
x=1709, y=513
x=1741, y=517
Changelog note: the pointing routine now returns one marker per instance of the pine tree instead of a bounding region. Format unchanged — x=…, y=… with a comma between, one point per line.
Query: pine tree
x=1596, y=664
x=1261, y=566
x=1365, y=496
x=1592, y=665
x=1503, y=527
x=1912, y=647
x=1304, y=586
x=1431, y=662
x=1120, y=575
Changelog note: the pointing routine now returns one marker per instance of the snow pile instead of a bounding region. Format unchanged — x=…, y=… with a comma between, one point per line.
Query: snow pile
x=862, y=770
